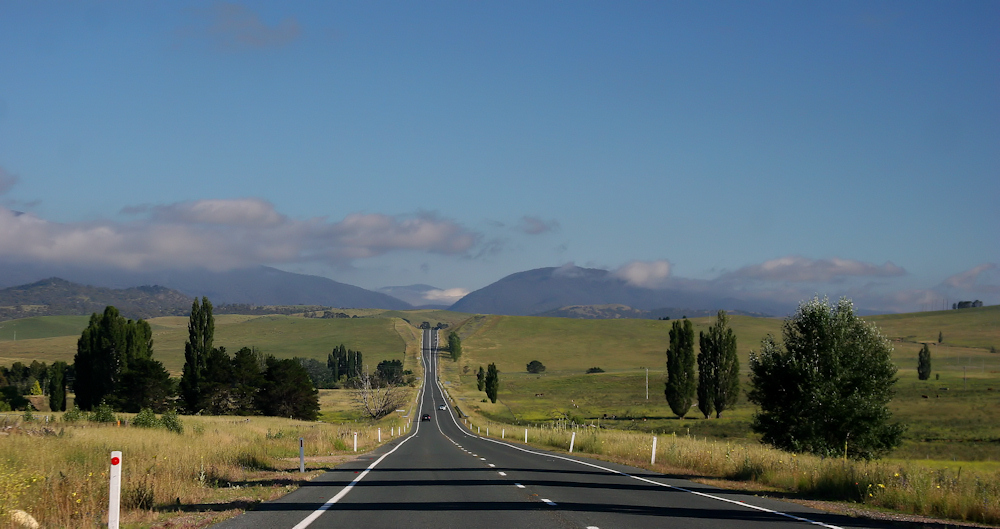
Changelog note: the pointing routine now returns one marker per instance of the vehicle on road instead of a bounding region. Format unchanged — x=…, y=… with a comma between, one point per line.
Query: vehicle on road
x=442, y=407
x=426, y=417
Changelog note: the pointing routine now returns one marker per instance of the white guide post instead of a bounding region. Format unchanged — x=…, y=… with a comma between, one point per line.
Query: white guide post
x=355, y=441
x=572, y=439
x=652, y=460
x=380, y=435
x=478, y=430
x=115, y=492
x=487, y=431
x=302, y=454
x=503, y=433
x=525, y=435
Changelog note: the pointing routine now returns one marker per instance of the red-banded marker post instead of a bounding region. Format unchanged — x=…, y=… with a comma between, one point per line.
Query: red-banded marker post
x=115, y=492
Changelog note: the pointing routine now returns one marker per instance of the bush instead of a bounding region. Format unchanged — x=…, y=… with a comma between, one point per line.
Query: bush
x=73, y=415
x=535, y=367
x=172, y=422
x=595, y=370
x=146, y=419
x=102, y=413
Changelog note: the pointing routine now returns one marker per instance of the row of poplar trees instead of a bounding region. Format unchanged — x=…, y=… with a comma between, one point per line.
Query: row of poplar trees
x=718, y=383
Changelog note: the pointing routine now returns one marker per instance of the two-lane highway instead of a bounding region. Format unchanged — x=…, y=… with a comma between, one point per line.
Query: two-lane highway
x=443, y=476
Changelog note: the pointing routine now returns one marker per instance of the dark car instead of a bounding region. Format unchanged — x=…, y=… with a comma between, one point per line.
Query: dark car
x=426, y=417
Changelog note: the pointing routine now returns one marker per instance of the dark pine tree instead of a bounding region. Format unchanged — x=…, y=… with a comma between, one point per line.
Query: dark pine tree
x=288, y=391
x=492, y=382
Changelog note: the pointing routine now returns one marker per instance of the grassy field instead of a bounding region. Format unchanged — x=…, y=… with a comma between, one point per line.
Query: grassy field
x=953, y=416
x=53, y=338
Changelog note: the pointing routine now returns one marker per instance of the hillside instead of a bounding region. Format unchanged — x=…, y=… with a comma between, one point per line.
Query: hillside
x=618, y=311
x=58, y=297
x=547, y=289
x=260, y=285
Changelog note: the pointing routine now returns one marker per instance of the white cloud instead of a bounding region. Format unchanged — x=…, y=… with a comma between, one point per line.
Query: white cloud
x=445, y=297
x=968, y=280
x=224, y=234
x=798, y=269
x=648, y=274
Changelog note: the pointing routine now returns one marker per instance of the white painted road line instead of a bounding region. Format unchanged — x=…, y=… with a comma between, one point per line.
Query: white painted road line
x=519, y=485
x=492, y=465
x=550, y=502
x=502, y=473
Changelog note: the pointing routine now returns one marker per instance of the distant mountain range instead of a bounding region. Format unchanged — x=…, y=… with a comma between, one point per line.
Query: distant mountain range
x=58, y=297
x=260, y=285
x=544, y=290
x=567, y=291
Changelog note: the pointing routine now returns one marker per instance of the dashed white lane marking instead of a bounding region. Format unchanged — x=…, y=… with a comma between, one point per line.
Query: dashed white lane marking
x=519, y=485
x=482, y=459
x=502, y=473
x=492, y=465
x=593, y=527
x=550, y=502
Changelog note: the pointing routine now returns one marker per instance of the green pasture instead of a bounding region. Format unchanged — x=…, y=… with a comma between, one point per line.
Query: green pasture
x=43, y=327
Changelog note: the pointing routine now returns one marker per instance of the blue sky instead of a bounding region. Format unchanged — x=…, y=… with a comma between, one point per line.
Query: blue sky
x=776, y=149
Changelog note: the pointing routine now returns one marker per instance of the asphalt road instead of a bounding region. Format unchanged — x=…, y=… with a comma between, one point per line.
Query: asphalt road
x=443, y=476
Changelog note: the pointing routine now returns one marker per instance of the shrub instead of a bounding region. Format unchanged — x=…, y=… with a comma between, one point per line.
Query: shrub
x=536, y=367
x=595, y=370
x=146, y=419
x=102, y=413
x=172, y=422
x=73, y=415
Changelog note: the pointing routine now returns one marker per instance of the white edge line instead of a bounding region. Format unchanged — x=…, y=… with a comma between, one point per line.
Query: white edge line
x=340, y=495
x=613, y=471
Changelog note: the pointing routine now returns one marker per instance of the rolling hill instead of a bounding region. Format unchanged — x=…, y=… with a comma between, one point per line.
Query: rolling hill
x=58, y=297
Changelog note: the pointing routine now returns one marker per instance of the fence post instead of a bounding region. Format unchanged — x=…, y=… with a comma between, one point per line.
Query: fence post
x=302, y=454
x=115, y=491
x=572, y=439
x=652, y=461
x=355, y=441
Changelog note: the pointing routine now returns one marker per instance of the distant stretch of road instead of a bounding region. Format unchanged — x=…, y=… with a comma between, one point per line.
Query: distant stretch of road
x=443, y=476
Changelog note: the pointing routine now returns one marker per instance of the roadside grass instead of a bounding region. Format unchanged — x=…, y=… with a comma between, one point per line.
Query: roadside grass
x=970, y=493
x=58, y=471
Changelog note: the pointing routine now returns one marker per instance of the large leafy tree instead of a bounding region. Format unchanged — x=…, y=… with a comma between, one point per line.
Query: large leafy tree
x=680, y=385
x=924, y=363
x=248, y=377
x=492, y=382
x=826, y=389
x=718, y=368
x=108, y=348
x=197, y=348
x=288, y=391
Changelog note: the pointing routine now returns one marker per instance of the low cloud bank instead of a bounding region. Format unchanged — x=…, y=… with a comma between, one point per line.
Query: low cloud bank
x=225, y=234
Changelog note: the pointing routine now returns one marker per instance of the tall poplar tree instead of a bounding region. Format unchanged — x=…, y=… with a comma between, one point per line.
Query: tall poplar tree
x=198, y=347
x=924, y=363
x=718, y=368
x=454, y=346
x=492, y=382
x=680, y=386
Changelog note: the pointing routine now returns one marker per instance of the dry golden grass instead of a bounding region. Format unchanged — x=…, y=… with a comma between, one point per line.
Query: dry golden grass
x=972, y=494
x=58, y=472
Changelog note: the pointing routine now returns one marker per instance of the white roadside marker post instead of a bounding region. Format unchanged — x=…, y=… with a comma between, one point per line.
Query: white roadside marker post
x=115, y=492
x=487, y=431
x=572, y=439
x=380, y=435
x=652, y=461
x=302, y=454
x=503, y=433
x=355, y=441
x=478, y=430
